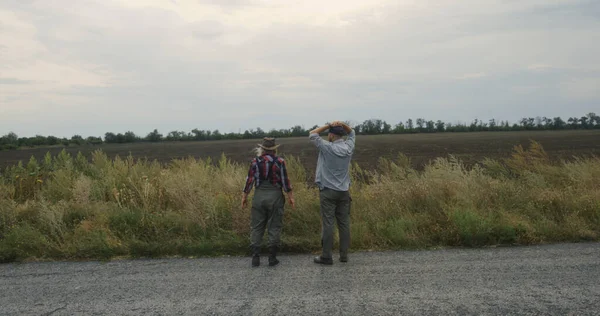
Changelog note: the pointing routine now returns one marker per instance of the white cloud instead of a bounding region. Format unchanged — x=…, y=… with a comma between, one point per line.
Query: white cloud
x=539, y=67
x=587, y=89
x=475, y=75
x=138, y=64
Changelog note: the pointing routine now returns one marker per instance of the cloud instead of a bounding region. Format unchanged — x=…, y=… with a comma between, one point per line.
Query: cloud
x=539, y=67
x=119, y=65
x=14, y=81
x=475, y=75
x=207, y=29
x=582, y=88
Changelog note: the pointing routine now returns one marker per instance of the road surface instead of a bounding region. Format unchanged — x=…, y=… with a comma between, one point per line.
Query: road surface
x=559, y=279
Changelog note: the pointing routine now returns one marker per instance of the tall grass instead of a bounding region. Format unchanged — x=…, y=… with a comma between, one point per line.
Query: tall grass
x=65, y=207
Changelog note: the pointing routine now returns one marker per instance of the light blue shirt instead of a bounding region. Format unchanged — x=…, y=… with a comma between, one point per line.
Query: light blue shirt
x=333, y=165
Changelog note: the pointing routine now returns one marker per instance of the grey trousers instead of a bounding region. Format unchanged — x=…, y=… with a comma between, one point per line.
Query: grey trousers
x=335, y=206
x=267, y=212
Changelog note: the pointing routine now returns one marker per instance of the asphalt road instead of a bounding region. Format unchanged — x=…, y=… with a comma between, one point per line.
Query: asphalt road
x=542, y=280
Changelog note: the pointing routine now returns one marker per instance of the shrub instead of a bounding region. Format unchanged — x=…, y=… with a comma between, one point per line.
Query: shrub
x=22, y=242
x=74, y=208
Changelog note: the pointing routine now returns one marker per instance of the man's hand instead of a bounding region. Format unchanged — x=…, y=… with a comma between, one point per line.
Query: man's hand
x=347, y=128
x=322, y=129
x=292, y=200
x=244, y=200
x=319, y=130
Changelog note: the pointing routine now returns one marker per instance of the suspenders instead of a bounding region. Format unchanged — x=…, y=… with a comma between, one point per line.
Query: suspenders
x=269, y=166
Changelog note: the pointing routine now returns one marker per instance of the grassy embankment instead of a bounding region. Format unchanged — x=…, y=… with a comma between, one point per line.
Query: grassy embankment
x=67, y=208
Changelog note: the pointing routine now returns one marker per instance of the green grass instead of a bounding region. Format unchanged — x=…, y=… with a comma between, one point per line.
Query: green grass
x=68, y=208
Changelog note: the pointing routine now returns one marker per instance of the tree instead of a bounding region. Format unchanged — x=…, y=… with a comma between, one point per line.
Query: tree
x=172, y=136
x=538, y=122
x=10, y=138
x=372, y=127
x=440, y=126
x=594, y=120
x=558, y=123
x=93, y=140
x=399, y=128
x=198, y=134
x=130, y=137
x=474, y=125
x=430, y=127
x=528, y=123
x=155, y=136
x=216, y=135
x=233, y=136
x=9, y=141
x=591, y=119
x=386, y=128
x=493, y=125
x=573, y=122
x=77, y=140
x=298, y=131
x=259, y=133
x=410, y=125
x=176, y=136
x=584, y=122
x=110, y=138
x=52, y=140
x=547, y=122
x=120, y=138
x=421, y=124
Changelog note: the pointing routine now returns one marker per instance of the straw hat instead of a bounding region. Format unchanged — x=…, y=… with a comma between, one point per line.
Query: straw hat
x=268, y=144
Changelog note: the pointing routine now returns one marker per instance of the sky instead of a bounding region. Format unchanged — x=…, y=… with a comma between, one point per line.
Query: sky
x=88, y=67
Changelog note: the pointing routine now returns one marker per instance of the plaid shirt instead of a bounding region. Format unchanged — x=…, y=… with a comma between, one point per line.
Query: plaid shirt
x=265, y=168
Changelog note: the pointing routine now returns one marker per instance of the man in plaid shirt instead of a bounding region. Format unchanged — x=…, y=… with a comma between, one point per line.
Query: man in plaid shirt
x=268, y=174
x=268, y=168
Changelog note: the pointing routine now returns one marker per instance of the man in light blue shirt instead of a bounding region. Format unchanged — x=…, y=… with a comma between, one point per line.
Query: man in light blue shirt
x=333, y=179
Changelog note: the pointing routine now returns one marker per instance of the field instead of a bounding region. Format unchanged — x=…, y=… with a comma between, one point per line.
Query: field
x=96, y=207
x=420, y=148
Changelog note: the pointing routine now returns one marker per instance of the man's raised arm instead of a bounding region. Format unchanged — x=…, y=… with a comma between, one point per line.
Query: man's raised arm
x=319, y=130
x=349, y=131
x=315, y=136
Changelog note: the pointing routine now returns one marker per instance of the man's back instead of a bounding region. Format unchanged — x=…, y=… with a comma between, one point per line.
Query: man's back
x=333, y=165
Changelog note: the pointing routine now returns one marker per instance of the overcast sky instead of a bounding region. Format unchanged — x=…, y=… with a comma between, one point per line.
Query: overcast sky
x=88, y=67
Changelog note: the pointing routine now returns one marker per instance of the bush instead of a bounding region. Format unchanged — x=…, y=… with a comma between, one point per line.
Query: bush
x=22, y=242
x=72, y=208
x=473, y=229
x=92, y=244
x=9, y=147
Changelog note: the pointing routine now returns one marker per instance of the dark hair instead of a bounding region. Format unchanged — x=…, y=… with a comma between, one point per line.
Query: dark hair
x=337, y=130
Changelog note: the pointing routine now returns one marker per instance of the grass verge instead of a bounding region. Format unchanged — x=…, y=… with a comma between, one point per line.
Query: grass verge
x=68, y=208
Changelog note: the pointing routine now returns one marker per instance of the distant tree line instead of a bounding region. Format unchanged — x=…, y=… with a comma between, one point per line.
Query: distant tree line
x=420, y=125
x=368, y=127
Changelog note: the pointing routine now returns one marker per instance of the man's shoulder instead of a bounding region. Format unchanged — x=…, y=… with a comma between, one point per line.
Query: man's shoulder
x=314, y=137
x=253, y=162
